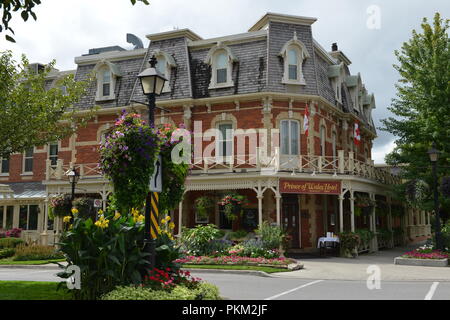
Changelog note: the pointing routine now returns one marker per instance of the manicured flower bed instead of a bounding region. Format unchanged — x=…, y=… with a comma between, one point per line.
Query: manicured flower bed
x=436, y=254
x=236, y=260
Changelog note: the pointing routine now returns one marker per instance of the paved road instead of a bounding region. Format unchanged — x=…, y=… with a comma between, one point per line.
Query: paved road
x=249, y=287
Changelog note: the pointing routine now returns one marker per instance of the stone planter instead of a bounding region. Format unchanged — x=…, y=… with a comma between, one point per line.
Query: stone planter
x=421, y=262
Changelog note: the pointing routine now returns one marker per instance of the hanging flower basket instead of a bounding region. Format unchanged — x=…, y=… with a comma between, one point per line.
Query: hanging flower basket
x=363, y=201
x=60, y=205
x=232, y=205
x=416, y=192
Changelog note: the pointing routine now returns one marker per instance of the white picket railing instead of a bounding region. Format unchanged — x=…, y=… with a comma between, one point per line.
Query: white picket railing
x=257, y=162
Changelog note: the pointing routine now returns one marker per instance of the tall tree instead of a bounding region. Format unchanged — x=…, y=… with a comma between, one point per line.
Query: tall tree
x=32, y=113
x=26, y=9
x=422, y=105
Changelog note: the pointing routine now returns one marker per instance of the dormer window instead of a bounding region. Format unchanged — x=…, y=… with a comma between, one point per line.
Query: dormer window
x=221, y=59
x=106, y=74
x=336, y=73
x=165, y=64
x=294, y=54
x=106, y=83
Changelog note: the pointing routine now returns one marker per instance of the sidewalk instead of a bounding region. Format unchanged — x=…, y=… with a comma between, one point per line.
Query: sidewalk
x=337, y=268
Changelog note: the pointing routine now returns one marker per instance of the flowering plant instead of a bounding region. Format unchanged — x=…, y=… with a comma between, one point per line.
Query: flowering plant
x=431, y=254
x=167, y=279
x=13, y=233
x=59, y=205
x=127, y=157
x=232, y=204
x=236, y=260
x=173, y=174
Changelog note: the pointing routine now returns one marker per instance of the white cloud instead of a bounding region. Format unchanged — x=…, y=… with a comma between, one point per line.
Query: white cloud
x=378, y=153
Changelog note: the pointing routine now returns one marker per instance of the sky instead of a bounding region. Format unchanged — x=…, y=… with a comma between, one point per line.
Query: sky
x=367, y=31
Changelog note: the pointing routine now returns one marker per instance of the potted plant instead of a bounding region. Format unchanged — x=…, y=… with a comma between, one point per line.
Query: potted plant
x=59, y=206
x=203, y=205
x=349, y=242
x=232, y=205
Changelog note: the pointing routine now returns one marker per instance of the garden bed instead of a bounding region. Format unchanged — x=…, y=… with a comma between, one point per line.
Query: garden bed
x=235, y=267
x=278, y=263
x=421, y=262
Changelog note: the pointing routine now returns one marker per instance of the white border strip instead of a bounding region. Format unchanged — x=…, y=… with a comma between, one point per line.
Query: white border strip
x=430, y=293
x=292, y=290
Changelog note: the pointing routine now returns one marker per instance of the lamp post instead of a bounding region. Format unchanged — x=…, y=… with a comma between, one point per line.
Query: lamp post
x=152, y=82
x=73, y=176
x=434, y=155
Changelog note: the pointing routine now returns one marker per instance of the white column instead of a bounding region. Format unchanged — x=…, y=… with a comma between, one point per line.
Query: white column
x=352, y=211
x=341, y=213
x=44, y=234
x=260, y=209
x=278, y=200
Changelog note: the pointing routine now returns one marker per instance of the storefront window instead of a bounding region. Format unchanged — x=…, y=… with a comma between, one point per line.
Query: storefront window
x=9, y=217
x=28, y=217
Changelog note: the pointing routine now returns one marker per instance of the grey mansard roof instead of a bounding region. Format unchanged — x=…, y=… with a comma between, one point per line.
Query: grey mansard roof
x=257, y=67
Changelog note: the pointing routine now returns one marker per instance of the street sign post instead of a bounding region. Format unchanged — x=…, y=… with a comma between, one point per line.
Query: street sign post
x=156, y=180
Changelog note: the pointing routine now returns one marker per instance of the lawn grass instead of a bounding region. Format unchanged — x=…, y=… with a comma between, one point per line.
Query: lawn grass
x=234, y=267
x=32, y=290
x=10, y=261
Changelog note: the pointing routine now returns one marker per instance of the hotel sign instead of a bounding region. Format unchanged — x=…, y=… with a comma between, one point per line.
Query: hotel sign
x=310, y=187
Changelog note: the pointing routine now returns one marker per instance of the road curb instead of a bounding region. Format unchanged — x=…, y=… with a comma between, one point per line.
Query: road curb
x=30, y=266
x=242, y=272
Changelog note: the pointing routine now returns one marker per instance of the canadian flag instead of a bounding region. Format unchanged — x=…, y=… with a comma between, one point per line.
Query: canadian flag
x=357, y=134
x=306, y=121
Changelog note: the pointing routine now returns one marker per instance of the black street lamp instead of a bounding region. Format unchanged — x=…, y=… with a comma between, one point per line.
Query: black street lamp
x=152, y=82
x=73, y=176
x=434, y=155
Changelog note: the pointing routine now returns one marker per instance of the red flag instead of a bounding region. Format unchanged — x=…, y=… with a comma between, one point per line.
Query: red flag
x=306, y=121
x=357, y=134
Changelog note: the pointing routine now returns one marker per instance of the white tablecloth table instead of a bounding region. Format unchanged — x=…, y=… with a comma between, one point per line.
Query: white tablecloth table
x=326, y=239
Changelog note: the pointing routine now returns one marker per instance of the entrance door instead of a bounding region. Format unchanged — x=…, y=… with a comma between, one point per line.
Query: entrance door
x=290, y=218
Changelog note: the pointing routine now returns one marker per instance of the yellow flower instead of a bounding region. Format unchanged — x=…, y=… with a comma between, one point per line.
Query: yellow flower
x=168, y=218
x=141, y=218
x=70, y=226
x=100, y=212
x=163, y=221
x=67, y=219
x=117, y=215
x=102, y=222
x=74, y=211
x=172, y=225
x=135, y=212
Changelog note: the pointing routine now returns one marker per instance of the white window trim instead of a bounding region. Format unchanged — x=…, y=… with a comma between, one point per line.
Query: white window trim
x=114, y=71
x=28, y=216
x=49, y=148
x=25, y=173
x=290, y=138
x=211, y=58
x=170, y=63
x=302, y=54
x=229, y=158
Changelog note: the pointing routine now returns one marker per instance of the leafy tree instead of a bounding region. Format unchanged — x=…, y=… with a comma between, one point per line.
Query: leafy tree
x=26, y=9
x=422, y=106
x=31, y=113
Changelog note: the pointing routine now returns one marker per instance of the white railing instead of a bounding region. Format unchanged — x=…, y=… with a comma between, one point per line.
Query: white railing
x=257, y=162
x=58, y=172
x=301, y=164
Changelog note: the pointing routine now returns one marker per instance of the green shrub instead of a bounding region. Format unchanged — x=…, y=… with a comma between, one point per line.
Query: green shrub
x=10, y=242
x=196, y=240
x=365, y=235
x=35, y=252
x=205, y=291
x=109, y=252
x=6, y=253
x=271, y=236
x=384, y=234
x=237, y=235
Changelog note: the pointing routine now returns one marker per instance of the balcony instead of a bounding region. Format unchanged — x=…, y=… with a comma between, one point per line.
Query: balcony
x=257, y=163
x=311, y=164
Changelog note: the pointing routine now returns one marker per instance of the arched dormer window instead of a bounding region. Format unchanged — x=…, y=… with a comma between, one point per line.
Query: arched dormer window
x=220, y=58
x=165, y=64
x=336, y=74
x=106, y=74
x=294, y=54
